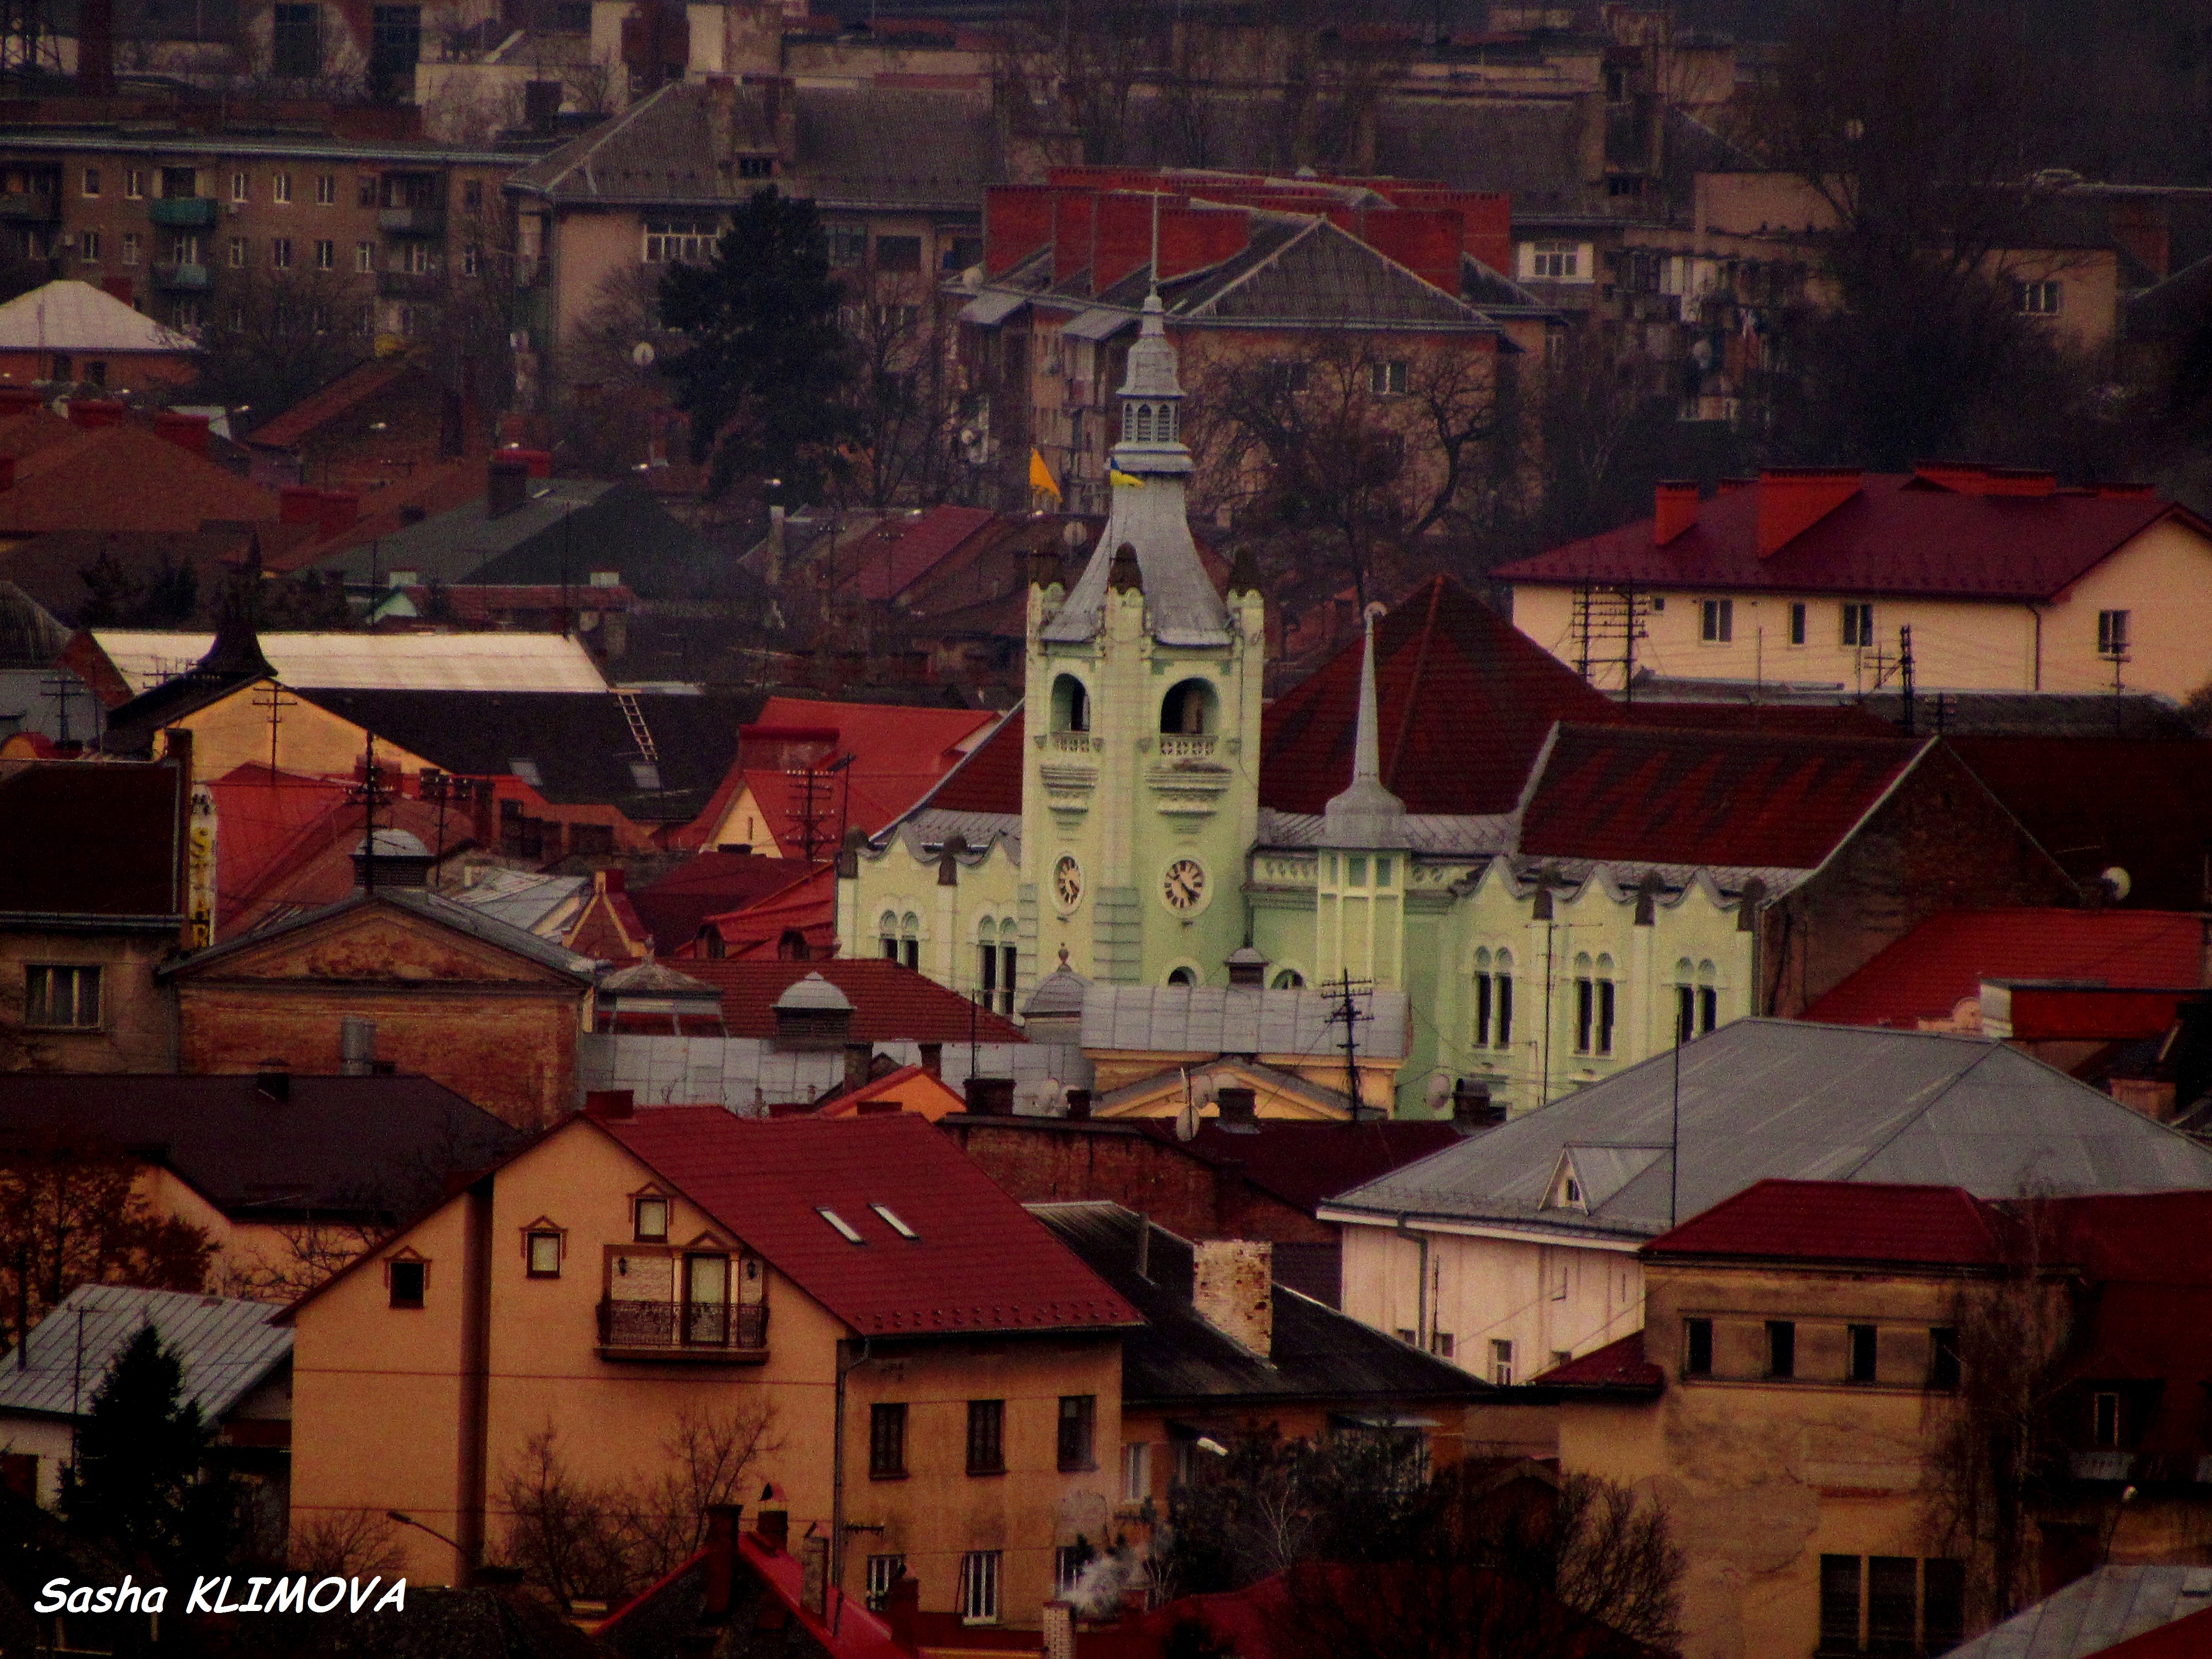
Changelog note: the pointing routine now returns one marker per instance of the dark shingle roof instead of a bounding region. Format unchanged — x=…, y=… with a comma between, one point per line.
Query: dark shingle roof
x=1179, y=1358
x=83, y=839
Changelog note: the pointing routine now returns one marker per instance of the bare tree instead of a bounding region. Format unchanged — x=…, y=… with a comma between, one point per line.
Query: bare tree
x=71, y=1214
x=903, y=390
x=348, y=1542
x=308, y=1252
x=273, y=336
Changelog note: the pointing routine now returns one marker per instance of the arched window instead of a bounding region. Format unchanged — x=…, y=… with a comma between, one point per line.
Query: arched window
x=1144, y=423
x=1686, y=1000
x=1709, y=999
x=910, y=940
x=1289, y=979
x=1071, y=704
x=1188, y=709
x=996, y=960
x=1601, y=1033
x=1182, y=976
x=1164, y=424
x=1493, y=999
x=887, y=932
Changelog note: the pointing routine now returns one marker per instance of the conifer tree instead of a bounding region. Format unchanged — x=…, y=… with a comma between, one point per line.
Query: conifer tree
x=138, y=1483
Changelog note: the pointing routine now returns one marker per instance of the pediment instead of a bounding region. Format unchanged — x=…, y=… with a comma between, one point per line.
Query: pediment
x=375, y=943
x=1276, y=1095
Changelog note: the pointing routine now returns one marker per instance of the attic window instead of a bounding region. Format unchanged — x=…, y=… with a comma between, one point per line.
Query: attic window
x=846, y=1230
x=526, y=768
x=652, y=1217
x=892, y=1219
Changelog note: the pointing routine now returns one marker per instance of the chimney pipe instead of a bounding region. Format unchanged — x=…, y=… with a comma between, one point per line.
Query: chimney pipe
x=610, y=1105
x=1675, y=511
x=933, y=1059
x=774, y=1527
x=356, y=1046
x=721, y=1562
x=1233, y=1290
x=1239, y=1114
x=1079, y=1105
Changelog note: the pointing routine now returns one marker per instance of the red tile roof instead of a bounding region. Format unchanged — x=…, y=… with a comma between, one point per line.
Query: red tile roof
x=356, y=386
x=1895, y=535
x=981, y=1263
x=1806, y=719
x=900, y=551
x=124, y=477
x=712, y=883
x=1707, y=797
x=911, y=1089
x=1943, y=961
x=1617, y=1365
x=899, y=755
x=1466, y=701
x=1845, y=1221
x=806, y=905
x=2156, y=1238
x=990, y=779
x=891, y=1003
x=847, y=1631
x=1303, y=1164
x=2189, y=1637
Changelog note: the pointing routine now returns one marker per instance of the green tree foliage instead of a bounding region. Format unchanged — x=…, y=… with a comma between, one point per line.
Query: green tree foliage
x=137, y=1483
x=765, y=370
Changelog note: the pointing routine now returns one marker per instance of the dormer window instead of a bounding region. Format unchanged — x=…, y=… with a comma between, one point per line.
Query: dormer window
x=650, y=1214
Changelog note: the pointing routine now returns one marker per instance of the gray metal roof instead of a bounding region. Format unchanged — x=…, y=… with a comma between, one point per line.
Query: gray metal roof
x=1779, y=1099
x=1237, y=1019
x=523, y=898
x=228, y=1348
x=435, y=906
x=739, y=1072
x=2096, y=1613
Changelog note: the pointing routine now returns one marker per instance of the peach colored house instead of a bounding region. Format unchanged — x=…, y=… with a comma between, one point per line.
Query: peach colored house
x=1812, y=575
x=943, y=1376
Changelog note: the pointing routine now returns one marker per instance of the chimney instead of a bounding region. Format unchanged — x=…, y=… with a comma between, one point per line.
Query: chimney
x=298, y=504
x=814, y=1573
x=1058, y=1632
x=1239, y=1114
x=187, y=432
x=1232, y=1286
x=335, y=512
x=858, y=1057
x=356, y=1046
x=1792, y=499
x=1078, y=1104
x=774, y=1527
x=274, y=1081
x=902, y=1612
x=94, y=414
x=1747, y=907
x=933, y=1059
x=1675, y=511
x=1472, y=1109
x=610, y=1105
x=948, y=860
x=508, y=484
x=721, y=1562
x=993, y=1096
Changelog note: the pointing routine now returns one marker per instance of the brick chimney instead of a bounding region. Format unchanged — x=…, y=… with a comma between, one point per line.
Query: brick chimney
x=298, y=504
x=507, y=484
x=1792, y=499
x=1232, y=1286
x=188, y=432
x=92, y=413
x=902, y=1612
x=774, y=1527
x=337, y=512
x=1675, y=510
x=721, y=1562
x=610, y=1105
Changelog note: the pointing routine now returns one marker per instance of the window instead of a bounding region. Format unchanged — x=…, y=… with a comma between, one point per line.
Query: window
x=2038, y=299
x=407, y=1279
x=1709, y=1009
x=898, y=254
x=651, y=1215
x=1136, y=1471
x=1781, y=1347
x=892, y=1219
x=1892, y=1584
x=133, y=183
x=1078, y=1418
x=1717, y=620
x=92, y=181
x=240, y=186
x=326, y=254
x=1294, y=374
x=1859, y=1358
x=1593, y=1007
x=1442, y=1344
x=987, y=1437
x=1355, y=871
x=542, y=1251
x=883, y=1571
x=296, y=45
x=1483, y=1005
x=1390, y=379
x=845, y=1229
x=1697, y=1348
x=1943, y=1359
x=88, y=247
x=2112, y=633
x=681, y=241
x=1556, y=262
x=2104, y=1419
x=1501, y=1362
x=130, y=247
x=238, y=254
x=1068, y=1561
x=1858, y=625
x=280, y=253
x=280, y=188
x=326, y=189
x=848, y=247
x=887, y=1442
x=59, y=998
x=472, y=191
x=1943, y=1605
x=472, y=260
x=364, y=256
x=979, y=1587
x=1839, y=1604
x=1797, y=624
x=364, y=191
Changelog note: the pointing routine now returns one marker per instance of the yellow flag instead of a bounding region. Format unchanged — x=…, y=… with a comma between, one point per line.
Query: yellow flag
x=1115, y=476
x=1041, y=475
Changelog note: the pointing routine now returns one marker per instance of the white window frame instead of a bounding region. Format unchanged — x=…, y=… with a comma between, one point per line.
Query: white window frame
x=39, y=1009
x=2113, y=633
x=883, y=1572
x=1136, y=1471
x=1501, y=1361
x=979, y=1586
x=280, y=191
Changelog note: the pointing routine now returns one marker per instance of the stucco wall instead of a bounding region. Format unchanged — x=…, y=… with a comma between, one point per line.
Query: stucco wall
x=137, y=1029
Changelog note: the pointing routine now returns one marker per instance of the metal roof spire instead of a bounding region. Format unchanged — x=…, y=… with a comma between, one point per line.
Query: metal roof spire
x=1366, y=814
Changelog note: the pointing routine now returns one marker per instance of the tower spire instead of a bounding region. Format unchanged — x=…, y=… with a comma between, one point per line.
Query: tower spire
x=1366, y=814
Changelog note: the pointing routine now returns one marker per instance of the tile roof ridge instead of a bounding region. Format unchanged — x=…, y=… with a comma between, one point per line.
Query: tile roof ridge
x=1470, y=312
x=1211, y=305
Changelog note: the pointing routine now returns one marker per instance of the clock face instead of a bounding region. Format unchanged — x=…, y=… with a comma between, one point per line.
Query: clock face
x=1067, y=882
x=1184, y=885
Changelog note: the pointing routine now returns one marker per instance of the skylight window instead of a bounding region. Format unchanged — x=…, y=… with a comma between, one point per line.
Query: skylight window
x=892, y=1219
x=645, y=774
x=846, y=1230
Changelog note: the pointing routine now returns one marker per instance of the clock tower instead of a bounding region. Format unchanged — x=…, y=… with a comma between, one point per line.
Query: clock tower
x=1140, y=784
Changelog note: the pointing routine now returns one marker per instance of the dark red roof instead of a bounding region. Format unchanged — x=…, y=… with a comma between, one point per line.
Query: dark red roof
x=90, y=838
x=2154, y=1238
x=124, y=477
x=1926, y=974
x=1845, y=1221
x=2092, y=803
x=1465, y=698
x=990, y=779
x=891, y=1003
x=1896, y=535
x=2190, y=1637
x=1303, y=1164
x=900, y=550
x=1799, y=718
x=1617, y=1365
x=351, y=390
x=712, y=884
x=980, y=1261
x=1706, y=797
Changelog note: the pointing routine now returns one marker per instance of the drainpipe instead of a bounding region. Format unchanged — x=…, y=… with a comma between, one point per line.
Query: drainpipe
x=1421, y=1293
x=2038, y=615
x=837, y=1471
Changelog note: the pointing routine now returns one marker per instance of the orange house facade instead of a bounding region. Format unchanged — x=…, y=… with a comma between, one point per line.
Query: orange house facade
x=940, y=1377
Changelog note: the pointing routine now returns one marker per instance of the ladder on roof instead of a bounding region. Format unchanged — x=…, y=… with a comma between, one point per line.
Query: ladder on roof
x=640, y=733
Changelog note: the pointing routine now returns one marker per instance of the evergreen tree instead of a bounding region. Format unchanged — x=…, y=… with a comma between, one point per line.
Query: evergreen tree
x=764, y=372
x=137, y=1481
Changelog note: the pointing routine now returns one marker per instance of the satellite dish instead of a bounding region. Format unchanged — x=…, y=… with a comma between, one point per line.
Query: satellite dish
x=2118, y=882
x=1439, y=1091
x=641, y=354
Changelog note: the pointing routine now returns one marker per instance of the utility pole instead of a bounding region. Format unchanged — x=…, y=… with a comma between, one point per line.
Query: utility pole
x=275, y=703
x=64, y=688
x=369, y=792
x=1905, y=672
x=1347, y=1013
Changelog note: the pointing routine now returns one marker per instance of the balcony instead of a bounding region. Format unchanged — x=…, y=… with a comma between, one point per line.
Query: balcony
x=411, y=221
x=34, y=208
x=183, y=212
x=408, y=284
x=667, y=1332
x=181, y=278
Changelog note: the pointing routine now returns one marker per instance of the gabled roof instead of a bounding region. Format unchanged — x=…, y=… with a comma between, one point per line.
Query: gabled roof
x=359, y=384
x=661, y=149
x=900, y=550
x=806, y=905
x=1180, y=1358
x=1735, y=800
x=899, y=755
x=1767, y=1098
x=82, y=319
x=434, y=907
x=1466, y=703
x=1925, y=975
x=1618, y=1368
x=990, y=779
x=124, y=477
x=891, y=1003
x=911, y=1088
x=2112, y=1605
x=655, y=1622
x=227, y=1347
x=712, y=883
x=1303, y=1162
x=1896, y=535
x=1864, y=1222
x=333, y=1145
x=978, y=1261
x=317, y=660
x=82, y=838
